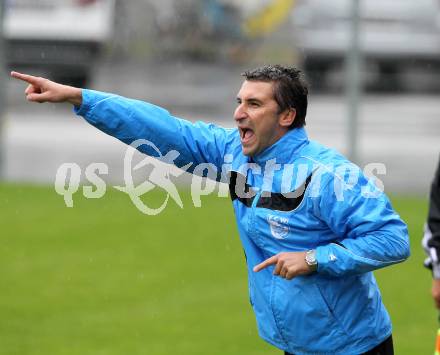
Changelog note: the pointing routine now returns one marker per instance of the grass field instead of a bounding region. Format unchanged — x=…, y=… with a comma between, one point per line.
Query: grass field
x=101, y=278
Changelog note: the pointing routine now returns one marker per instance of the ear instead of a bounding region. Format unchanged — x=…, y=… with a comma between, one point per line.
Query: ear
x=287, y=117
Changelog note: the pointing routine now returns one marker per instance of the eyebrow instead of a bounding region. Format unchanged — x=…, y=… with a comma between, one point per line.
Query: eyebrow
x=251, y=99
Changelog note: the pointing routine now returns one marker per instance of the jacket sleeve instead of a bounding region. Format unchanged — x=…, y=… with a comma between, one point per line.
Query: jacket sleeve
x=431, y=238
x=129, y=120
x=368, y=232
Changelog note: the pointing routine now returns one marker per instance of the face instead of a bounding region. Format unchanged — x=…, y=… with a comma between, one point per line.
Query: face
x=258, y=121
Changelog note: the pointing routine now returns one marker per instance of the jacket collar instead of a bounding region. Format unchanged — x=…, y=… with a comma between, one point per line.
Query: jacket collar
x=284, y=148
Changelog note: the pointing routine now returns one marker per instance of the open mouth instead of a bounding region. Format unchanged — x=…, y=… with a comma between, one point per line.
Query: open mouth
x=246, y=135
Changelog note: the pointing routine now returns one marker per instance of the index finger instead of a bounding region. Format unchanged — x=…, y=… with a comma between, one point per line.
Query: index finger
x=25, y=77
x=271, y=261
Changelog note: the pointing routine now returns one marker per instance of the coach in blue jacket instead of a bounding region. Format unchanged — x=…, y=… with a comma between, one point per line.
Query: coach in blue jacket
x=312, y=226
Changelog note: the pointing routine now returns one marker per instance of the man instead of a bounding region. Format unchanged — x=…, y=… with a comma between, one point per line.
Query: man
x=431, y=238
x=312, y=226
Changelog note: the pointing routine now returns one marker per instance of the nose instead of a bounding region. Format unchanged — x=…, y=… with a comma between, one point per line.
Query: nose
x=240, y=113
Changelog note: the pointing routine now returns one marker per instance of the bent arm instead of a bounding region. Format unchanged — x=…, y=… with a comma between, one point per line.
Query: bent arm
x=370, y=234
x=431, y=238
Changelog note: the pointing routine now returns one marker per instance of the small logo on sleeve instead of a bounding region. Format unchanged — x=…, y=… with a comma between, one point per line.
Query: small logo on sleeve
x=332, y=257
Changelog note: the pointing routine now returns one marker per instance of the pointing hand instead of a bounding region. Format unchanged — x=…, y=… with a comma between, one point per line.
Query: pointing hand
x=43, y=90
x=287, y=264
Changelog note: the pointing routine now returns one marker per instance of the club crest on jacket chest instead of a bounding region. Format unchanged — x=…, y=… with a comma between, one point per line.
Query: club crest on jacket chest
x=279, y=226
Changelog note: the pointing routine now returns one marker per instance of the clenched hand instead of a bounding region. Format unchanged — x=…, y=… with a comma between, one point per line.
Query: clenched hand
x=435, y=292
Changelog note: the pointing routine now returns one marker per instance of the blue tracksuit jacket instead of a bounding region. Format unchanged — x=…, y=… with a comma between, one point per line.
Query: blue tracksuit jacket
x=318, y=200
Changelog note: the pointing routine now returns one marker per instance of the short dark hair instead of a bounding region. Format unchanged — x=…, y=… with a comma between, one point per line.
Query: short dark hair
x=290, y=88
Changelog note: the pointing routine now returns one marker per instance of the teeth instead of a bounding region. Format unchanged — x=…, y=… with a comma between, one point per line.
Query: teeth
x=244, y=131
x=248, y=133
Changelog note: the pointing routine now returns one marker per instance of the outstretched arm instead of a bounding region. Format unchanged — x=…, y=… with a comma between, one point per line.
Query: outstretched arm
x=43, y=90
x=129, y=120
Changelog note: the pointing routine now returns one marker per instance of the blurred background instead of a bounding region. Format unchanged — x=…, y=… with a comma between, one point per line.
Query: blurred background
x=374, y=73
x=187, y=56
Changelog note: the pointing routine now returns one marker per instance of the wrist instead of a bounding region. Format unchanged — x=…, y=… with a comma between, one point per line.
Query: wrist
x=310, y=258
x=74, y=96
